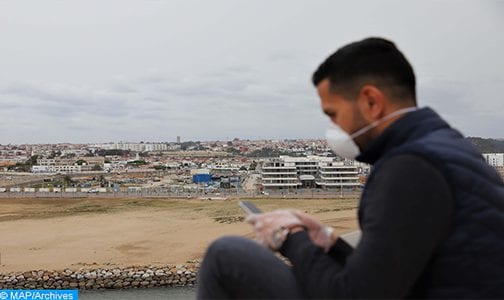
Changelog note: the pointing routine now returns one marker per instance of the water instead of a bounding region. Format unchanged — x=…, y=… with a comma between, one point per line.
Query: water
x=182, y=292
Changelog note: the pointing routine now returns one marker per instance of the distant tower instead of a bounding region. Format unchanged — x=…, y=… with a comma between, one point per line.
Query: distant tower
x=178, y=139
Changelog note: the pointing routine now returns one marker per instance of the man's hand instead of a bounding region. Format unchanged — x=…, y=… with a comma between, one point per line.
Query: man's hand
x=320, y=235
x=272, y=228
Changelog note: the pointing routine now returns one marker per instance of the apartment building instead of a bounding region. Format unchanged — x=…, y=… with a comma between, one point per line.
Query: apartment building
x=288, y=172
x=494, y=159
x=223, y=166
x=280, y=173
x=136, y=147
x=56, y=169
x=66, y=165
x=56, y=161
x=156, y=147
x=338, y=175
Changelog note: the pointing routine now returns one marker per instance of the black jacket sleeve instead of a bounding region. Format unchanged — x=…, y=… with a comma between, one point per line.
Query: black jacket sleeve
x=406, y=213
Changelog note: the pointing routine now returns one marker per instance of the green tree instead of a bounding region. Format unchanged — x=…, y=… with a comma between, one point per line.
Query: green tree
x=137, y=163
x=89, y=154
x=32, y=160
x=81, y=162
x=96, y=168
x=67, y=181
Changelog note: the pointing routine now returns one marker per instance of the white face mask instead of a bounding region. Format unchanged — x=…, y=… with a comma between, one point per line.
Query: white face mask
x=342, y=143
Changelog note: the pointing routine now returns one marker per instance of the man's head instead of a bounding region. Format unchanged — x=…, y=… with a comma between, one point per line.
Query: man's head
x=373, y=61
x=363, y=82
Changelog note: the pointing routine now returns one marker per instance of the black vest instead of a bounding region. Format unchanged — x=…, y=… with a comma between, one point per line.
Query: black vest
x=470, y=261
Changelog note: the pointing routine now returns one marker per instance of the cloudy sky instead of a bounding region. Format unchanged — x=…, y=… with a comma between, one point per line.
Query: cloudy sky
x=99, y=71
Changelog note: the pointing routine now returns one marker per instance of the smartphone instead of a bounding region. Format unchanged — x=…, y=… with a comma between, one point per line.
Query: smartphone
x=249, y=207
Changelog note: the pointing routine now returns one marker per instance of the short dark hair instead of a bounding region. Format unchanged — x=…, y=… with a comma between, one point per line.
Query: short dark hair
x=374, y=61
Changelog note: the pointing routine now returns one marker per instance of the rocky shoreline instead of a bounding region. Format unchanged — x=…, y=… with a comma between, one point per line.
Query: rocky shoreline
x=103, y=278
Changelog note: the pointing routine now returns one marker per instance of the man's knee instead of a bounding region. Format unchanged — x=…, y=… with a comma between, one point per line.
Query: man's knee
x=227, y=247
x=213, y=276
x=222, y=256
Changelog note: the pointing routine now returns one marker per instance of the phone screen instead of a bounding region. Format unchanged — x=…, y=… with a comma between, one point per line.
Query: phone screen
x=249, y=207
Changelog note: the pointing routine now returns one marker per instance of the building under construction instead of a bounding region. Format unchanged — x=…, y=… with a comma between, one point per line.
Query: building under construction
x=288, y=172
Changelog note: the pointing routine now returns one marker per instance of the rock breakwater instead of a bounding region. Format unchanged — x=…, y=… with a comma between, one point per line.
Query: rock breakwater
x=102, y=278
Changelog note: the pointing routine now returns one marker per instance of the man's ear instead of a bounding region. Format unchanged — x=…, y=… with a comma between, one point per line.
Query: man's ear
x=371, y=101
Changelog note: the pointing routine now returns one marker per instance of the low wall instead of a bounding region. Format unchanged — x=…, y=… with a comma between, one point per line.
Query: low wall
x=102, y=278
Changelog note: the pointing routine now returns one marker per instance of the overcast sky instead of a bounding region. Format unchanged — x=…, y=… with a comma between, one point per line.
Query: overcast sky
x=99, y=71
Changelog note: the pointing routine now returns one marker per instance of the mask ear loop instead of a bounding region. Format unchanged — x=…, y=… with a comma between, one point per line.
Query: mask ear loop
x=377, y=122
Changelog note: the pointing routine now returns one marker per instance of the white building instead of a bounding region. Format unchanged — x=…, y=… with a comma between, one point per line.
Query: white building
x=279, y=174
x=156, y=147
x=223, y=166
x=338, y=175
x=55, y=161
x=94, y=160
x=309, y=172
x=137, y=147
x=57, y=169
x=494, y=159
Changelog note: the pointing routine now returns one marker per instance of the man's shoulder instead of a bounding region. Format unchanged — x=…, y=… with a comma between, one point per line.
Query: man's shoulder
x=410, y=165
x=437, y=147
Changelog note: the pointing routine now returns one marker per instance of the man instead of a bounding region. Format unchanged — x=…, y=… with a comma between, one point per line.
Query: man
x=431, y=214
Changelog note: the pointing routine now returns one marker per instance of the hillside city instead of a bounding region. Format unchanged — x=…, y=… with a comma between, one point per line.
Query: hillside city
x=190, y=169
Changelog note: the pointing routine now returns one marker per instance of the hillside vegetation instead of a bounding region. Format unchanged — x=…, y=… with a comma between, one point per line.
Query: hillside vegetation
x=488, y=145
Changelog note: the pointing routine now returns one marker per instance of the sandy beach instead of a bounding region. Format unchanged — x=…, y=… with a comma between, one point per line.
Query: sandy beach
x=53, y=234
